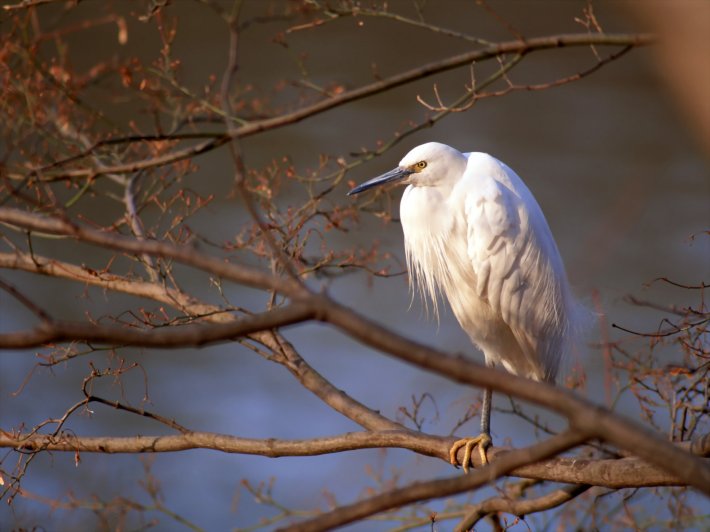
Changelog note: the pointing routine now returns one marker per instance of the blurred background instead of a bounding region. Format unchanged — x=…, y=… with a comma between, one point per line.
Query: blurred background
x=620, y=176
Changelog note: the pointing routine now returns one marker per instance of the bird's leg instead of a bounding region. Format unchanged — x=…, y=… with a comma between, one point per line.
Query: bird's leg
x=483, y=440
x=486, y=412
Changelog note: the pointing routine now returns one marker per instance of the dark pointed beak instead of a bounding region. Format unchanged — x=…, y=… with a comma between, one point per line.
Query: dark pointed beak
x=392, y=176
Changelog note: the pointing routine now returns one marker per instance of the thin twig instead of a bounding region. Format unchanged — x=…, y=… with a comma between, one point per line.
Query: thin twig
x=398, y=80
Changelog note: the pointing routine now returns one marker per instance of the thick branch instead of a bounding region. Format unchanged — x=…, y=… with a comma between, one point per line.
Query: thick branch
x=610, y=473
x=421, y=491
x=581, y=413
x=199, y=334
x=301, y=370
x=272, y=448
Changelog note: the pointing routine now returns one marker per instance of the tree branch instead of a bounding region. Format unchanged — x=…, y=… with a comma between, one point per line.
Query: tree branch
x=273, y=448
x=272, y=340
x=421, y=491
x=609, y=473
x=403, y=78
x=322, y=388
x=176, y=298
x=56, y=331
x=523, y=507
x=187, y=255
x=582, y=414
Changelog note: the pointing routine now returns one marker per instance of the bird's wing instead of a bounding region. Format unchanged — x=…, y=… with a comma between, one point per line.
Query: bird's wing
x=504, y=252
x=496, y=242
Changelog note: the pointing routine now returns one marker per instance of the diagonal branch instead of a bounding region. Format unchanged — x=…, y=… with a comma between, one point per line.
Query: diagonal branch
x=522, y=507
x=421, y=491
x=187, y=255
x=322, y=388
x=521, y=47
x=50, y=267
x=582, y=414
x=272, y=340
x=450, y=63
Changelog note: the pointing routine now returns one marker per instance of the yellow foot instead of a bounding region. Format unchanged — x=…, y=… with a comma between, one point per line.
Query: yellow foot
x=483, y=441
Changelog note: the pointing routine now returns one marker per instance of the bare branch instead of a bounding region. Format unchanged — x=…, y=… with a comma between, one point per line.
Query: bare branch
x=185, y=254
x=109, y=281
x=521, y=47
x=609, y=473
x=422, y=491
x=22, y=298
x=313, y=381
x=582, y=414
x=24, y=4
x=701, y=286
x=271, y=447
x=80, y=176
x=548, y=501
x=301, y=370
x=198, y=334
x=674, y=329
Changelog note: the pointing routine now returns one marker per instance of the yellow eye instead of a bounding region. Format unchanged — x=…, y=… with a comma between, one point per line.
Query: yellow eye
x=421, y=165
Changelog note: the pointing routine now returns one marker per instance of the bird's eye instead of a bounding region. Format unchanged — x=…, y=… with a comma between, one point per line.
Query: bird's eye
x=421, y=165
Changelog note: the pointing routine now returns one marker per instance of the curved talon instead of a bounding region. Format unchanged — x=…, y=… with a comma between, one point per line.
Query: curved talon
x=483, y=441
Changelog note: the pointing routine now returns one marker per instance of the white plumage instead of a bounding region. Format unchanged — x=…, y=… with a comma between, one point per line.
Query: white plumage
x=474, y=232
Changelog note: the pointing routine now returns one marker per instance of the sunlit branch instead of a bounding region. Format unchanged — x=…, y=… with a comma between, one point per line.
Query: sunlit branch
x=581, y=414
x=322, y=388
x=185, y=254
x=521, y=507
x=444, y=487
x=271, y=447
x=275, y=342
x=436, y=67
x=106, y=280
x=199, y=334
x=24, y=4
x=609, y=473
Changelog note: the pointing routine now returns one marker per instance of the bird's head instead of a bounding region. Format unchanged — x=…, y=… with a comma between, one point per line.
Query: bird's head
x=429, y=164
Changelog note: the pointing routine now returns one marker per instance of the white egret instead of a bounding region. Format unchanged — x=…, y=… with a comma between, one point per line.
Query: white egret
x=474, y=232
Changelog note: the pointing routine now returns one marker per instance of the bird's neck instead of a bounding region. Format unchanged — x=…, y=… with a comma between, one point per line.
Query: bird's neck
x=427, y=224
